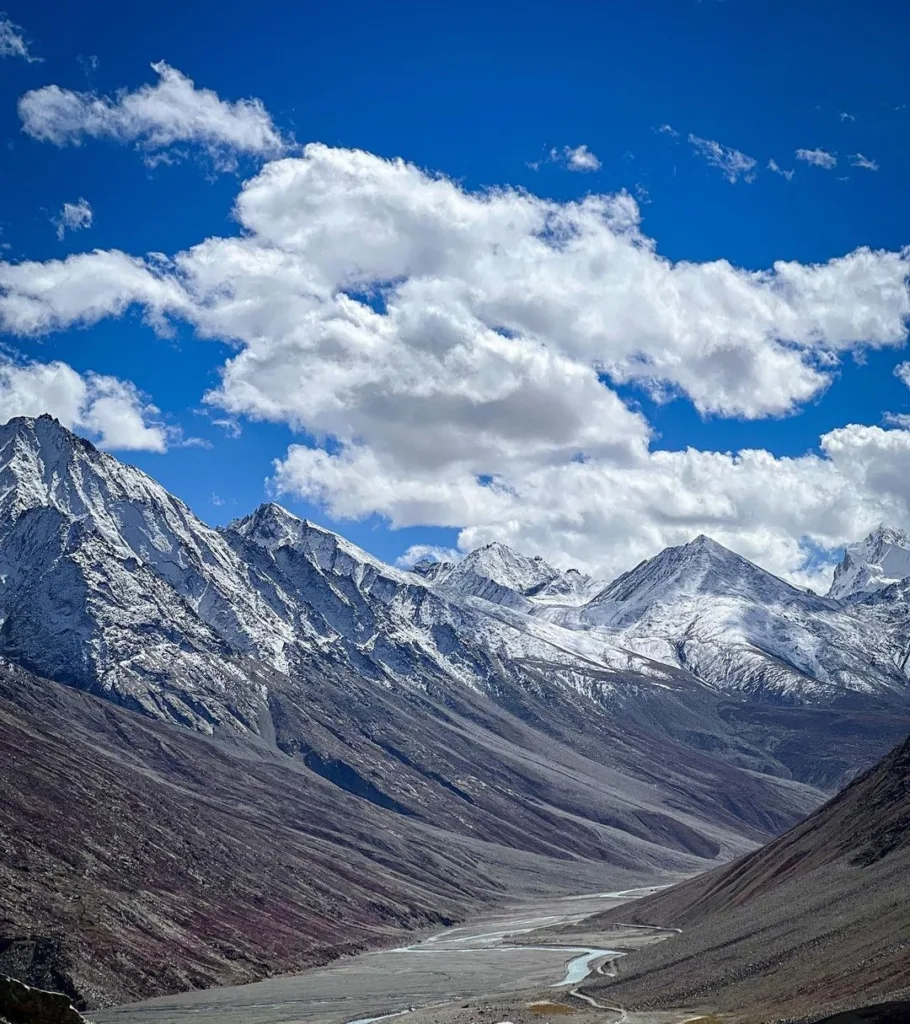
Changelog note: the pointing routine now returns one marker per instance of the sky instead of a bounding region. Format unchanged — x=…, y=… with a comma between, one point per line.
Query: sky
x=587, y=279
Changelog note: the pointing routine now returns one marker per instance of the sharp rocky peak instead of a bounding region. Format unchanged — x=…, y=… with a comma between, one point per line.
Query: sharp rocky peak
x=502, y=564
x=273, y=528
x=876, y=562
x=45, y=465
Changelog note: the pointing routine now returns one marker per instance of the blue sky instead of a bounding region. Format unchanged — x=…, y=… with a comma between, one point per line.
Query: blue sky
x=492, y=96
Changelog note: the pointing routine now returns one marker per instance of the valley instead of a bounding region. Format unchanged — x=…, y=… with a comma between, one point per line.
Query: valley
x=493, y=958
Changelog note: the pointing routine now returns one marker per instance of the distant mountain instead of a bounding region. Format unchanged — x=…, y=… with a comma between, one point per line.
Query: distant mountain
x=543, y=726
x=878, y=561
x=703, y=608
x=814, y=922
x=497, y=574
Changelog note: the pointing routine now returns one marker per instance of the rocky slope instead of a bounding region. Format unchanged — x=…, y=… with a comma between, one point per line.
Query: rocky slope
x=154, y=858
x=814, y=922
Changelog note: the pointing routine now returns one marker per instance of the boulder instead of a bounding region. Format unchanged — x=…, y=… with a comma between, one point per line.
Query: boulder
x=22, y=1004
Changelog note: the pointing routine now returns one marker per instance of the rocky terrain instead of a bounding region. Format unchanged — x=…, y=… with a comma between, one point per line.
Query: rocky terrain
x=814, y=922
x=22, y=1004
x=236, y=751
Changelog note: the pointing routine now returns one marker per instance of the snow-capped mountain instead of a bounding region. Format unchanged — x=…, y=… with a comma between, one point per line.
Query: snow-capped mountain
x=95, y=554
x=113, y=584
x=497, y=574
x=878, y=561
x=739, y=628
x=700, y=571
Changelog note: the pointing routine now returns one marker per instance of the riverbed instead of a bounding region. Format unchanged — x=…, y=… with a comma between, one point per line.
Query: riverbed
x=483, y=957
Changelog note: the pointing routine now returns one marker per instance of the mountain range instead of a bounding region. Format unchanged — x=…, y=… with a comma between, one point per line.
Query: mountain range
x=265, y=722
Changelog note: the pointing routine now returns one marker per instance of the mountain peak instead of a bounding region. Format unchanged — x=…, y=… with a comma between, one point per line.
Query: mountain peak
x=269, y=525
x=876, y=562
x=272, y=527
x=506, y=567
x=503, y=576
x=42, y=463
x=708, y=545
x=688, y=572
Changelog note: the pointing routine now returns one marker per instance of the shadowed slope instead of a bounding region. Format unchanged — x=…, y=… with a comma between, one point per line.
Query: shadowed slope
x=815, y=921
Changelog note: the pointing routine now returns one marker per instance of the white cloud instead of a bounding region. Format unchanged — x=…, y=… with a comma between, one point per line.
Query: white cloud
x=606, y=517
x=777, y=169
x=39, y=297
x=501, y=291
x=73, y=217
x=858, y=160
x=897, y=419
x=574, y=158
x=844, y=116
x=666, y=129
x=454, y=345
x=432, y=552
x=817, y=157
x=902, y=372
x=156, y=117
x=13, y=42
x=732, y=162
x=112, y=411
x=581, y=159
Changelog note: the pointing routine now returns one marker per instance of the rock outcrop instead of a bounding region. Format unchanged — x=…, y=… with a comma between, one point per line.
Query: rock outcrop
x=22, y=1004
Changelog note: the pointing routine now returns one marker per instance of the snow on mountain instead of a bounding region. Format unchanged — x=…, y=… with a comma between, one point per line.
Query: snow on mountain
x=878, y=561
x=109, y=581
x=501, y=576
x=700, y=570
x=704, y=608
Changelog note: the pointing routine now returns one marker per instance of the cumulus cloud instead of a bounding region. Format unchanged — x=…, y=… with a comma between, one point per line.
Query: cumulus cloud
x=818, y=158
x=112, y=411
x=13, y=42
x=902, y=372
x=459, y=349
x=732, y=162
x=667, y=129
x=36, y=298
x=73, y=217
x=777, y=169
x=858, y=160
x=157, y=118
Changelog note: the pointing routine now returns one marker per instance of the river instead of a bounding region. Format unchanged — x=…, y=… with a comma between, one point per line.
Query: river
x=482, y=957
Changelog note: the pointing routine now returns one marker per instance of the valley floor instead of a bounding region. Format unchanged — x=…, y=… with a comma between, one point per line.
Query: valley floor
x=478, y=971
